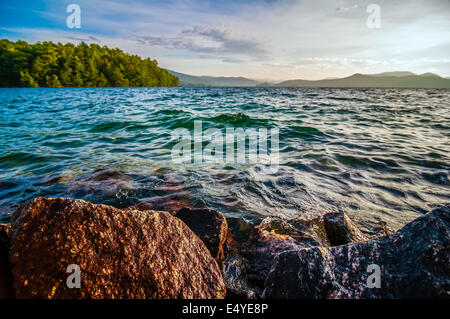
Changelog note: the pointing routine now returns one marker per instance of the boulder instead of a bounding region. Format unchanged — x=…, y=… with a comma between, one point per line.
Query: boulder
x=235, y=276
x=235, y=265
x=210, y=226
x=275, y=235
x=383, y=229
x=412, y=263
x=120, y=253
x=6, y=290
x=164, y=203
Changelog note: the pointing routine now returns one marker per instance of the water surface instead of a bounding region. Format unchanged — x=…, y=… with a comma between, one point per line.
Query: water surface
x=375, y=153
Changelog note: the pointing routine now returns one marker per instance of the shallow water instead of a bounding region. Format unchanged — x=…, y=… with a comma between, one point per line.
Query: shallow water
x=375, y=153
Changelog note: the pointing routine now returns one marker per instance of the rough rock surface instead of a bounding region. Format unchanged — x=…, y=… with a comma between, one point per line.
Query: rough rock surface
x=341, y=230
x=414, y=263
x=6, y=290
x=121, y=253
x=274, y=235
x=210, y=226
x=235, y=276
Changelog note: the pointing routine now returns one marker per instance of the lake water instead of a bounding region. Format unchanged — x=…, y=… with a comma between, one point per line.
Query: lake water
x=374, y=153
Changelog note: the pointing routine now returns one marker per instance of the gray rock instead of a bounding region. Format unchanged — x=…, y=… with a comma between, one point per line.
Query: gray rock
x=341, y=230
x=121, y=253
x=414, y=263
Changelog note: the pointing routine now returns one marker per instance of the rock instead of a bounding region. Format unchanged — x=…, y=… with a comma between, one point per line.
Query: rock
x=102, y=186
x=235, y=265
x=383, y=229
x=5, y=239
x=6, y=290
x=163, y=203
x=273, y=236
x=210, y=226
x=340, y=229
x=414, y=263
x=310, y=229
x=121, y=253
x=235, y=276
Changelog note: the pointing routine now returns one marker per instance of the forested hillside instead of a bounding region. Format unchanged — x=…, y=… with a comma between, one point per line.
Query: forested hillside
x=48, y=64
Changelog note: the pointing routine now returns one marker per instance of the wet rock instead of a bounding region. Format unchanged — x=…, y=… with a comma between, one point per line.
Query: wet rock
x=235, y=276
x=5, y=238
x=383, y=229
x=6, y=290
x=108, y=175
x=102, y=186
x=310, y=229
x=341, y=230
x=121, y=253
x=413, y=263
x=210, y=226
x=235, y=265
x=5, y=185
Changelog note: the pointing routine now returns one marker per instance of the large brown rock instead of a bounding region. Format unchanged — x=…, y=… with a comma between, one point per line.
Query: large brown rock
x=6, y=291
x=414, y=262
x=121, y=253
x=209, y=225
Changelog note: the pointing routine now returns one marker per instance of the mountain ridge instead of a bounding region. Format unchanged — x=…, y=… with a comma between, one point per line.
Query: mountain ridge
x=194, y=80
x=395, y=79
x=425, y=80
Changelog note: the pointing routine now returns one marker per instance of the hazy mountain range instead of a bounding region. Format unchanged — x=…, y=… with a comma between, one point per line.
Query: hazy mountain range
x=401, y=79
x=192, y=80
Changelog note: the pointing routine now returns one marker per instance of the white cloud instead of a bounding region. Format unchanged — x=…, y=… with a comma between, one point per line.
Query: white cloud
x=281, y=40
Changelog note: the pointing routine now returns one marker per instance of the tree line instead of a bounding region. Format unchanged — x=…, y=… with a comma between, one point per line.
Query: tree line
x=48, y=64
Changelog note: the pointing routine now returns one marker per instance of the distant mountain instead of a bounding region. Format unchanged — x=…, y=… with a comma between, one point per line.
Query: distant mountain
x=382, y=80
x=192, y=80
x=397, y=73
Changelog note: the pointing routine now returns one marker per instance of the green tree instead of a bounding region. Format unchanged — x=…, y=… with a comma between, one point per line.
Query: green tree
x=48, y=64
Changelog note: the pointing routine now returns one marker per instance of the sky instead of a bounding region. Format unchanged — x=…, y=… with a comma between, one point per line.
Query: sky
x=265, y=40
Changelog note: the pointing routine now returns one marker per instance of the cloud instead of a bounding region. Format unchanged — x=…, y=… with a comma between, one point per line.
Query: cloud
x=88, y=39
x=328, y=63
x=346, y=9
x=279, y=39
x=211, y=42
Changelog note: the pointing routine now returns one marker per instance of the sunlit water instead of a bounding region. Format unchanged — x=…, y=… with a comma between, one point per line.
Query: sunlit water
x=375, y=153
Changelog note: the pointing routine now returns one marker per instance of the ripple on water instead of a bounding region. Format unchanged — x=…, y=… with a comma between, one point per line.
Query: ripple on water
x=375, y=153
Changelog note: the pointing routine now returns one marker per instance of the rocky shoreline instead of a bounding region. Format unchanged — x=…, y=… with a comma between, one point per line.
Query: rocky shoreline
x=197, y=253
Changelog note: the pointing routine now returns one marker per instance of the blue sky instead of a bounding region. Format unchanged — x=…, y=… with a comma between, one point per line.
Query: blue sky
x=271, y=39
